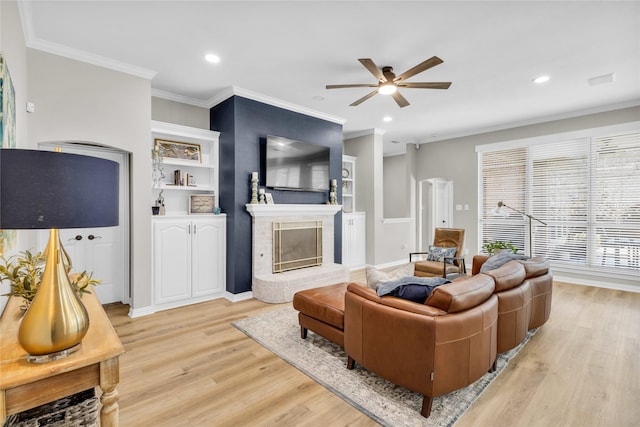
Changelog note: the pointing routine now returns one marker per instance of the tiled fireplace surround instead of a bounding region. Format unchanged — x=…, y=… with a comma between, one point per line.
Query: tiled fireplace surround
x=279, y=287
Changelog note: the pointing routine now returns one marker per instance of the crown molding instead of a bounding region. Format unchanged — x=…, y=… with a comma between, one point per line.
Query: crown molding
x=33, y=42
x=365, y=132
x=170, y=96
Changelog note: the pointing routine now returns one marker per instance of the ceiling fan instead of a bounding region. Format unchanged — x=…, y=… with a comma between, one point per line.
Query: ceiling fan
x=389, y=83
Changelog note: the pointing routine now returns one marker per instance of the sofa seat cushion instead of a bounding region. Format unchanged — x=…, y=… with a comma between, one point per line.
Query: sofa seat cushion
x=433, y=268
x=325, y=303
x=462, y=294
x=536, y=266
x=508, y=276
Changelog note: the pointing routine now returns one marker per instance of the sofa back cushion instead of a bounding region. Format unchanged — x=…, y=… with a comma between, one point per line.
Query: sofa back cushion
x=508, y=276
x=536, y=266
x=462, y=294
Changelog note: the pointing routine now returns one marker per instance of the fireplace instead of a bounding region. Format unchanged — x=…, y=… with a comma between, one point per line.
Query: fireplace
x=296, y=244
x=316, y=225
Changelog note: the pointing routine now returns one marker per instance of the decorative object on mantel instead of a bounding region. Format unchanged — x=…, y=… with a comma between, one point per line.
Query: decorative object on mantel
x=64, y=191
x=333, y=191
x=268, y=197
x=254, y=188
x=261, y=196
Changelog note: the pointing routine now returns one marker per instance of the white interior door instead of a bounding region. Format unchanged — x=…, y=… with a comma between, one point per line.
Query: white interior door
x=103, y=251
x=436, y=205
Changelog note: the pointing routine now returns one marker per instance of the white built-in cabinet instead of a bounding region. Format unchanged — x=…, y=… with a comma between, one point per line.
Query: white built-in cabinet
x=188, y=260
x=189, y=250
x=354, y=244
x=354, y=239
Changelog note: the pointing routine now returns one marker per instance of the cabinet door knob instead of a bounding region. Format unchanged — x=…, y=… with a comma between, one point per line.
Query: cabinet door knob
x=78, y=237
x=91, y=237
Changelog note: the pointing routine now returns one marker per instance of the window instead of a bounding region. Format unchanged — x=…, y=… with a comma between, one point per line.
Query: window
x=586, y=190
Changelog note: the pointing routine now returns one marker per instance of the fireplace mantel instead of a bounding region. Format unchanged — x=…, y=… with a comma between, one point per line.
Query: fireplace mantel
x=291, y=209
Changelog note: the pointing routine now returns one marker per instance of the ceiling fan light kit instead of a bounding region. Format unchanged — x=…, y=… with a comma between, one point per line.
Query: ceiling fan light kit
x=388, y=82
x=387, y=89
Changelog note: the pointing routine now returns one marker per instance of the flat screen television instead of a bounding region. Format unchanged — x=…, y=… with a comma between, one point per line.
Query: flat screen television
x=296, y=165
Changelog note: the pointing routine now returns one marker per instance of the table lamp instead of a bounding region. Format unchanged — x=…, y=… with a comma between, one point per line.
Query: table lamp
x=52, y=190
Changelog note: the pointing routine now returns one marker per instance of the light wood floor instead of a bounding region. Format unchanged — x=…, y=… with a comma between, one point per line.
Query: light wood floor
x=190, y=367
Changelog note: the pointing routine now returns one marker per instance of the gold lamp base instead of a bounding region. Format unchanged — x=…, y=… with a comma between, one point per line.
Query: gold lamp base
x=56, y=321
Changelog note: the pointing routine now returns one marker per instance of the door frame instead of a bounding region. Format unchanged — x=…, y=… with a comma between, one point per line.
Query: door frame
x=96, y=150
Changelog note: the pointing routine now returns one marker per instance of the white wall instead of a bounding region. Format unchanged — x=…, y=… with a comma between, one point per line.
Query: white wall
x=76, y=101
x=387, y=242
x=164, y=110
x=396, y=196
x=13, y=49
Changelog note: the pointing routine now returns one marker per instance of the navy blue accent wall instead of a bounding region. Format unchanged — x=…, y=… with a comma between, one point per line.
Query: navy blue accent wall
x=244, y=125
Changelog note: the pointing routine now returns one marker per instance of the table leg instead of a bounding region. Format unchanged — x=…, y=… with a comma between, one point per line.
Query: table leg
x=109, y=378
x=3, y=407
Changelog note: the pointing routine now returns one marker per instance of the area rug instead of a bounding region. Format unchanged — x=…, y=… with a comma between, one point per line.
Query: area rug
x=325, y=362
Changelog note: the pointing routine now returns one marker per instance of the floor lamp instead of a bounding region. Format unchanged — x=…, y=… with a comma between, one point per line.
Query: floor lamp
x=531, y=218
x=51, y=190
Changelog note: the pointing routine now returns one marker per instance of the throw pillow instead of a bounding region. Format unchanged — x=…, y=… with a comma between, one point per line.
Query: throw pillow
x=376, y=277
x=437, y=253
x=499, y=259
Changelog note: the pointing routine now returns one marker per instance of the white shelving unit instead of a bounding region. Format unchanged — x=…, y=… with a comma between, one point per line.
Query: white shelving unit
x=353, y=223
x=189, y=251
x=204, y=173
x=348, y=184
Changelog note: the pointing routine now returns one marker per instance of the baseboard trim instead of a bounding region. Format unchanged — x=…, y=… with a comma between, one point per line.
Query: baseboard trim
x=238, y=297
x=139, y=312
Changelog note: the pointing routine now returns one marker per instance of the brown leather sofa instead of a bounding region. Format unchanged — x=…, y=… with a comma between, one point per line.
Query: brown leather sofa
x=433, y=348
x=540, y=280
x=447, y=343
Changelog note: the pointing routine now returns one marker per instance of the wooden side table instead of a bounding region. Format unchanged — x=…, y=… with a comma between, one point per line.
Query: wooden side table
x=25, y=385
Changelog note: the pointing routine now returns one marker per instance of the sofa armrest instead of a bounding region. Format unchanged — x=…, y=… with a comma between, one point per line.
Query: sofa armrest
x=478, y=260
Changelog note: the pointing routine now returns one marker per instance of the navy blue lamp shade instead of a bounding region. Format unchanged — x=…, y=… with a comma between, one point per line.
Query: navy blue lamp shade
x=46, y=189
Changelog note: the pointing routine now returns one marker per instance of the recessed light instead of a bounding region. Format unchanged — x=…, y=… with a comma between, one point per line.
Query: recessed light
x=541, y=79
x=387, y=118
x=210, y=57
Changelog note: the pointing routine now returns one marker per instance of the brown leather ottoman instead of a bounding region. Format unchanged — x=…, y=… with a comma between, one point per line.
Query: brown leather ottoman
x=322, y=311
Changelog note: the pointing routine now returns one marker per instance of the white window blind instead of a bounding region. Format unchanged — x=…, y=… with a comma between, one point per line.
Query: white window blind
x=586, y=190
x=616, y=201
x=503, y=179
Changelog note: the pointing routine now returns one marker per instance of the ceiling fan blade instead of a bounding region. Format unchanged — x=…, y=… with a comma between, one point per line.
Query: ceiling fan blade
x=364, y=98
x=426, y=85
x=347, y=86
x=424, y=65
x=400, y=100
x=373, y=69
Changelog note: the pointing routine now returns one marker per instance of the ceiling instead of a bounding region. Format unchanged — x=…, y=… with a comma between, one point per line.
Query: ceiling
x=289, y=51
